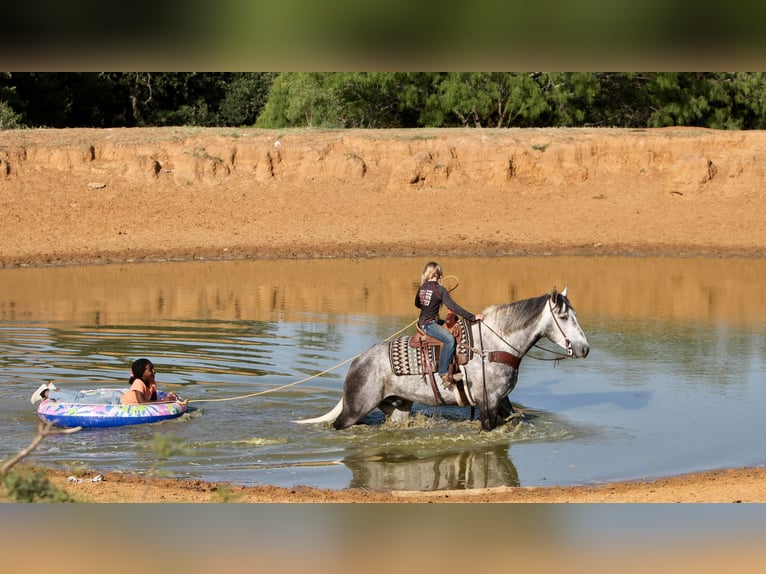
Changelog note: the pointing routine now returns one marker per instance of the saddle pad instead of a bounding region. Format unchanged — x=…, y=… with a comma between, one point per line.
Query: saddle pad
x=406, y=359
x=464, y=339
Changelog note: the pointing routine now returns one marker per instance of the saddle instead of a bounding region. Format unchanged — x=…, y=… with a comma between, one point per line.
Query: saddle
x=419, y=355
x=460, y=329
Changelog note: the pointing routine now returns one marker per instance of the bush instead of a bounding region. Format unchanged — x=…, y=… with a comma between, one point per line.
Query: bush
x=9, y=120
x=30, y=486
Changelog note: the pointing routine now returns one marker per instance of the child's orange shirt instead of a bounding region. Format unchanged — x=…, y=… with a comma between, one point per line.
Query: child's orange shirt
x=140, y=388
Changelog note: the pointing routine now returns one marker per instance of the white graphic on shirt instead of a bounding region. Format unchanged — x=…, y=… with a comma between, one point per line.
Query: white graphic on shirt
x=425, y=296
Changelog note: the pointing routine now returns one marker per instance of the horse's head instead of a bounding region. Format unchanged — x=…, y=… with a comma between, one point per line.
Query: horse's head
x=563, y=328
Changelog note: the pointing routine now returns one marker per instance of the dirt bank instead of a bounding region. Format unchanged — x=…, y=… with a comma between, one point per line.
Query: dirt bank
x=73, y=196
x=100, y=196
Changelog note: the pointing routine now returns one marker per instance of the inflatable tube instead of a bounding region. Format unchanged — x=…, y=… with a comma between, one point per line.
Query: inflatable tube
x=106, y=411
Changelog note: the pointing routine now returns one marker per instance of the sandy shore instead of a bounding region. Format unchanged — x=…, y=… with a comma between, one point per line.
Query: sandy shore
x=740, y=485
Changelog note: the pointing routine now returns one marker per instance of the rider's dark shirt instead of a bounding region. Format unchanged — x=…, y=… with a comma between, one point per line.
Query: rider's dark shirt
x=429, y=299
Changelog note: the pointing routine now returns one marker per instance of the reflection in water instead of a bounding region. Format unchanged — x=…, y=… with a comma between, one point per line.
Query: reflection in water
x=677, y=357
x=699, y=289
x=484, y=467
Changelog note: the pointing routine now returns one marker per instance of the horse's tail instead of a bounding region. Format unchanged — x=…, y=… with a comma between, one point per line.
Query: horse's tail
x=325, y=418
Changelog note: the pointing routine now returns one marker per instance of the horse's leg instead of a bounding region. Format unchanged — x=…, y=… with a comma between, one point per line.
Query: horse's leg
x=362, y=391
x=507, y=413
x=396, y=409
x=505, y=409
x=489, y=413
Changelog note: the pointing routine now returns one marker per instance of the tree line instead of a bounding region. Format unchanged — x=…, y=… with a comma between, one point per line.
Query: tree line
x=720, y=100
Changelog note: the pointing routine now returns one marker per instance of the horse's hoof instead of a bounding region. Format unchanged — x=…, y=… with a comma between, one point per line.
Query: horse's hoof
x=517, y=415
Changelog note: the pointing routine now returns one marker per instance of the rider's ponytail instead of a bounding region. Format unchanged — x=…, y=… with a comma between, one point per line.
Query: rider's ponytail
x=431, y=272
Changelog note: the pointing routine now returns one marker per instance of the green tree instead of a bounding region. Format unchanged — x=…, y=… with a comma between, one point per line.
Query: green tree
x=301, y=99
x=198, y=99
x=245, y=97
x=689, y=99
x=347, y=99
x=487, y=99
x=174, y=98
x=748, y=97
x=569, y=97
x=621, y=101
x=9, y=120
x=60, y=100
x=384, y=99
x=381, y=99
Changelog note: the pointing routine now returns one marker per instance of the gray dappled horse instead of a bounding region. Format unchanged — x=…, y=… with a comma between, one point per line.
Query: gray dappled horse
x=507, y=333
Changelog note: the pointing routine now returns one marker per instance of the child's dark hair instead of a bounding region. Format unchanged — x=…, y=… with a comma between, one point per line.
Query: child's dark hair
x=138, y=368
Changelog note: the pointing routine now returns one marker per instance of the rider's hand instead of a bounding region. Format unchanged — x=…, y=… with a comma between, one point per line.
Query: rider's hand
x=478, y=317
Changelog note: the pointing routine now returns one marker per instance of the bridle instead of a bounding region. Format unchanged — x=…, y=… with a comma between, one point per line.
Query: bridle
x=570, y=350
x=558, y=356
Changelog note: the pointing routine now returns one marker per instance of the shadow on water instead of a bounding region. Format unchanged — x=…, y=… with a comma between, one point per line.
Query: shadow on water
x=609, y=398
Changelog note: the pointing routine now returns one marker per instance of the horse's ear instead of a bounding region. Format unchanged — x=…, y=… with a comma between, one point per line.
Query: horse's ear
x=564, y=292
x=554, y=294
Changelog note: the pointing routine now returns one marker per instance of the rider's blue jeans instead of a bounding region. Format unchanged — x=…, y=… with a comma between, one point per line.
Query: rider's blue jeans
x=437, y=331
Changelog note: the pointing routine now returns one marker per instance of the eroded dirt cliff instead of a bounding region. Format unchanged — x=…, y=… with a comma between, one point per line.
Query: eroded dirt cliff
x=130, y=194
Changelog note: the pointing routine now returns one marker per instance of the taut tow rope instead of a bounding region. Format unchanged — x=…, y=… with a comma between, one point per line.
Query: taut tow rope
x=294, y=383
x=315, y=375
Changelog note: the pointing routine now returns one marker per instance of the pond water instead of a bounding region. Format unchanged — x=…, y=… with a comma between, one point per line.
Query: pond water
x=673, y=382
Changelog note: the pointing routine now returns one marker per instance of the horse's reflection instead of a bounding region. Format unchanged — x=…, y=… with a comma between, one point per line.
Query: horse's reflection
x=483, y=467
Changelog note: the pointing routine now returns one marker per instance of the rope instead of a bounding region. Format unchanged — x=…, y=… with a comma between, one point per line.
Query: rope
x=457, y=282
x=314, y=376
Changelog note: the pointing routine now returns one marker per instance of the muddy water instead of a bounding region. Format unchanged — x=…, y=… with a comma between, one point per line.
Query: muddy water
x=673, y=382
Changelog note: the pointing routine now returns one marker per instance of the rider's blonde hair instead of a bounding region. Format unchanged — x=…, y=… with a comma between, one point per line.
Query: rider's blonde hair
x=432, y=272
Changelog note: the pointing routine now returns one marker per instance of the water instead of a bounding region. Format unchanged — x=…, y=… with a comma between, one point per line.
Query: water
x=673, y=382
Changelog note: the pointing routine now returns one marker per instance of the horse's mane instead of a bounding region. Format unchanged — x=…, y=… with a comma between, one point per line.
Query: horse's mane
x=519, y=314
